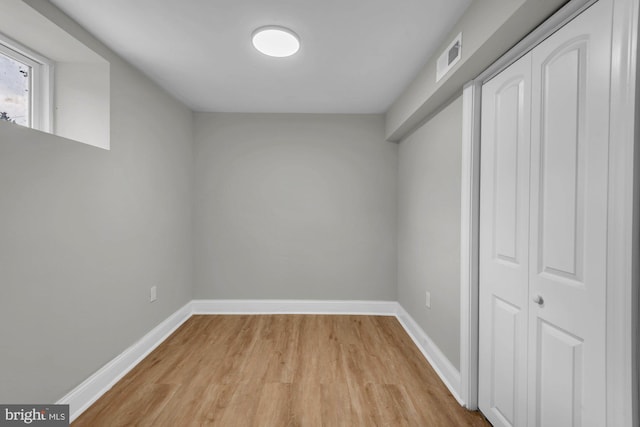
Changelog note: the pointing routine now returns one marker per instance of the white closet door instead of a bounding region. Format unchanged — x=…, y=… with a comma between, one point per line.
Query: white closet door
x=567, y=273
x=504, y=245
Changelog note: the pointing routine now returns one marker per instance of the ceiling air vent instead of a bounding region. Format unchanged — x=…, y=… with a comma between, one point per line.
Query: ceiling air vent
x=449, y=57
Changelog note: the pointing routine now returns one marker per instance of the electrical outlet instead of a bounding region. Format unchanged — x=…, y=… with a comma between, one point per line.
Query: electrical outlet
x=428, y=300
x=153, y=294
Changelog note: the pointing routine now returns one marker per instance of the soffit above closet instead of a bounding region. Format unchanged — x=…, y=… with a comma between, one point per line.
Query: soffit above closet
x=356, y=56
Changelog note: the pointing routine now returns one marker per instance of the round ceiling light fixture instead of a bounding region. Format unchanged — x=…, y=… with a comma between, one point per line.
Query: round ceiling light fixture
x=275, y=41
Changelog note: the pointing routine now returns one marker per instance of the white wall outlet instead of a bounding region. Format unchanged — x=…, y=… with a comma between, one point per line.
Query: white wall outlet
x=428, y=300
x=153, y=293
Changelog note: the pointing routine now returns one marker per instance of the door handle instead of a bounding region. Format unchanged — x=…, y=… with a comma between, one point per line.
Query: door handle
x=538, y=300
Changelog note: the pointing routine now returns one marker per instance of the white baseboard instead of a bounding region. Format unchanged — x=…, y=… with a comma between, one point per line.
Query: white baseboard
x=84, y=395
x=440, y=363
x=449, y=375
x=375, y=308
x=90, y=390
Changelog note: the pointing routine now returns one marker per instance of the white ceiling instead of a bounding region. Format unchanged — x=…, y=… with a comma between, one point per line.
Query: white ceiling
x=356, y=56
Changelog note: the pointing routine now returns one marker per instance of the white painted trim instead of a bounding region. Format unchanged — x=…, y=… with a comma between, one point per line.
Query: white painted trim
x=449, y=375
x=42, y=69
x=622, y=261
x=376, y=308
x=469, y=249
x=90, y=390
x=470, y=196
x=440, y=363
x=569, y=11
x=623, y=374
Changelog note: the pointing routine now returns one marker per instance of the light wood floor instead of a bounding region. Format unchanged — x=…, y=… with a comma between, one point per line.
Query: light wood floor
x=282, y=370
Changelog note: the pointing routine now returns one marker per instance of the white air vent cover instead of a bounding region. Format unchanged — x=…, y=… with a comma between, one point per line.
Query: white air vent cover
x=449, y=57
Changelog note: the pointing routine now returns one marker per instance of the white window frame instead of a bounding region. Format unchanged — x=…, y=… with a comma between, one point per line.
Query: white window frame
x=41, y=91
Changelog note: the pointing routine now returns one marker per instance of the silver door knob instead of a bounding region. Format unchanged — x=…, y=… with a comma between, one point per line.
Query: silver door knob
x=538, y=300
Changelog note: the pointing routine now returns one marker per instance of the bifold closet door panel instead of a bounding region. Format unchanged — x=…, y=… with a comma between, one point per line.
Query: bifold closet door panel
x=543, y=230
x=504, y=241
x=568, y=237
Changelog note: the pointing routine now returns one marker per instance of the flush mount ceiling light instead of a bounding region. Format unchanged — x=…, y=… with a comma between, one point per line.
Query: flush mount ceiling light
x=275, y=41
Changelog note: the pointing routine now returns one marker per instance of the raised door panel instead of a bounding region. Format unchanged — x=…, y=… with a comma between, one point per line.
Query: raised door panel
x=505, y=363
x=559, y=377
x=568, y=206
x=504, y=216
x=562, y=163
x=505, y=209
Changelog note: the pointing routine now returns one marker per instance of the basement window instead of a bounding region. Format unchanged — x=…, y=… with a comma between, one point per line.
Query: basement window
x=25, y=86
x=74, y=102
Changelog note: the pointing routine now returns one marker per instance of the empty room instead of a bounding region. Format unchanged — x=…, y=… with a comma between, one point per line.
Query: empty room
x=319, y=213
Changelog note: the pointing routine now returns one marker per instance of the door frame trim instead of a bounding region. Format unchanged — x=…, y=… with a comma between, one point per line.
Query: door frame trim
x=624, y=211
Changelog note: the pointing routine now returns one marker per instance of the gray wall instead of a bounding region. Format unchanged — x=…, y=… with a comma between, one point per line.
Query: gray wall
x=285, y=206
x=294, y=206
x=489, y=28
x=429, y=227
x=84, y=234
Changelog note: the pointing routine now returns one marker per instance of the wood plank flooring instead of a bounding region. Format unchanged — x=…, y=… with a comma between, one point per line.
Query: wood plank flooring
x=282, y=370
